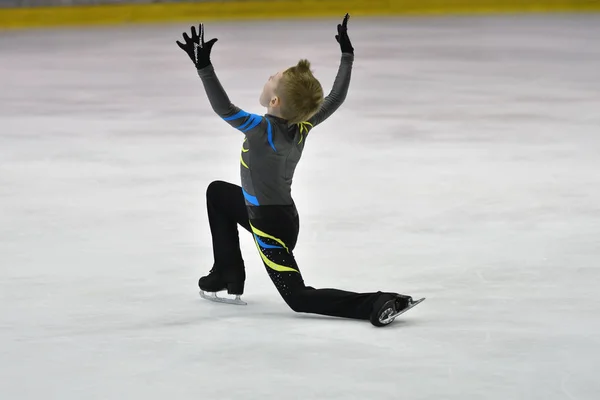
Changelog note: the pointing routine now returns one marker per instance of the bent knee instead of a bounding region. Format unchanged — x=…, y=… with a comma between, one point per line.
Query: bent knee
x=296, y=307
x=296, y=304
x=214, y=188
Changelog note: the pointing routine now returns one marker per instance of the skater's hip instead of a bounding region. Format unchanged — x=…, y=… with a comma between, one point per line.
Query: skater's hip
x=281, y=212
x=279, y=223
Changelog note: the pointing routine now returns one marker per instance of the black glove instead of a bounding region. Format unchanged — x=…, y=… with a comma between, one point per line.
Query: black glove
x=195, y=47
x=342, y=36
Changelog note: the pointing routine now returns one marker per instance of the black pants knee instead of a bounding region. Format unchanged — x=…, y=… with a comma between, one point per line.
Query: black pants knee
x=226, y=210
x=275, y=231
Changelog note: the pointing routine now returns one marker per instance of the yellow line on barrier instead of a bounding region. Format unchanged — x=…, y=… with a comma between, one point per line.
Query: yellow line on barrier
x=204, y=11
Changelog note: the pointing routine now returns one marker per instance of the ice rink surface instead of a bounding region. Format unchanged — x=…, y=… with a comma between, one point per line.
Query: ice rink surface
x=464, y=167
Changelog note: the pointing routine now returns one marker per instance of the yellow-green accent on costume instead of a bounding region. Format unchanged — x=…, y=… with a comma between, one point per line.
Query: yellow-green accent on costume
x=303, y=129
x=271, y=264
x=242, y=161
x=266, y=235
x=266, y=260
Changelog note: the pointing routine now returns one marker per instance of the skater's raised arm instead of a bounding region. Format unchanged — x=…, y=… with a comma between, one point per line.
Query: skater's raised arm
x=199, y=53
x=221, y=105
x=342, y=81
x=338, y=93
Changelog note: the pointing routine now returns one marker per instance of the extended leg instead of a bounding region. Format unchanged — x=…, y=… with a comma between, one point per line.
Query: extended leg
x=275, y=235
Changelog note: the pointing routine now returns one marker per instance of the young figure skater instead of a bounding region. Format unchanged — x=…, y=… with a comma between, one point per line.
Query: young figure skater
x=263, y=205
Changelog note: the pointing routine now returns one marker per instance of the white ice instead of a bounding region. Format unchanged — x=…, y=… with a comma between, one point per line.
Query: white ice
x=464, y=167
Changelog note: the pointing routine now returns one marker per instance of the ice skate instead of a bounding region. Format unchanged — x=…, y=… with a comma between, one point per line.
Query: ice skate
x=215, y=282
x=385, y=311
x=213, y=296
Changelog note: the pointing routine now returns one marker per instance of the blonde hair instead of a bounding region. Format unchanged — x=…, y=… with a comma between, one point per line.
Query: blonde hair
x=301, y=93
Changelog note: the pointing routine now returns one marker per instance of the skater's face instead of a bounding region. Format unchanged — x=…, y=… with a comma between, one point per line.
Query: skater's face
x=268, y=97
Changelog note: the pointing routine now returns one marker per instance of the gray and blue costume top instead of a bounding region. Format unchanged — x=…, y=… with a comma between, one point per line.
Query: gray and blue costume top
x=272, y=147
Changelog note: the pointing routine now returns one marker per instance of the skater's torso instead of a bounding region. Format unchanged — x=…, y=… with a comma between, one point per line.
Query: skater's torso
x=272, y=147
x=268, y=160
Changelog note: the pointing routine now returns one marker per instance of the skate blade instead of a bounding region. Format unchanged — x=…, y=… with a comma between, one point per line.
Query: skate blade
x=386, y=319
x=215, y=298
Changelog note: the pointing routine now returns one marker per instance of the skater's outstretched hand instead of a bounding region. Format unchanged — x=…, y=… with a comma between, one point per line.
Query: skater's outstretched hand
x=342, y=36
x=196, y=48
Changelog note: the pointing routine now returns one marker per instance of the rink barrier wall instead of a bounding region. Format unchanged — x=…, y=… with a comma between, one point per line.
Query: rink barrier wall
x=109, y=14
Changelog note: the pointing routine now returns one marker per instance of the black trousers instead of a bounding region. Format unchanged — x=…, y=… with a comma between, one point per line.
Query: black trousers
x=275, y=231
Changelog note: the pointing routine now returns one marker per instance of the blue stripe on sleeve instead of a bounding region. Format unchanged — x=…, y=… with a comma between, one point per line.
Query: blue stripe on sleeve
x=255, y=122
x=251, y=199
x=240, y=114
x=248, y=122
